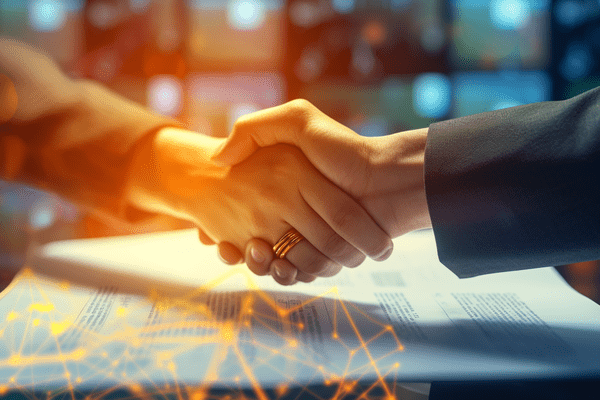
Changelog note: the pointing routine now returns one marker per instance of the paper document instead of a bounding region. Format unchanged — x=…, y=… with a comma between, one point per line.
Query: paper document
x=166, y=311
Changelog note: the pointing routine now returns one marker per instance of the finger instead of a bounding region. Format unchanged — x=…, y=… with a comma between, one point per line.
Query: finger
x=304, y=277
x=229, y=254
x=324, y=239
x=279, y=124
x=204, y=238
x=283, y=271
x=346, y=218
x=307, y=259
x=259, y=255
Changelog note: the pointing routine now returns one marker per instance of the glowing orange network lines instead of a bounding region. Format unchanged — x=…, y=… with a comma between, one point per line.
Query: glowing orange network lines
x=227, y=320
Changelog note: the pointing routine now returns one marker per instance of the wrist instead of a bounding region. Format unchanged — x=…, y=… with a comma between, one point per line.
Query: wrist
x=169, y=169
x=399, y=166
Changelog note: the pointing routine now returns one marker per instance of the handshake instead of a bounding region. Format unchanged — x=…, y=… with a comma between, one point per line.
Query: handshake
x=291, y=192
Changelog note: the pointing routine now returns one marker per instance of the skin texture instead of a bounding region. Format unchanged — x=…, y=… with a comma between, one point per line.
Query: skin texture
x=384, y=175
x=264, y=196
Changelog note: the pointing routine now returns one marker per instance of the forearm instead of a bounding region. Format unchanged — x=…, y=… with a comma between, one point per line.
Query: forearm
x=397, y=165
x=72, y=137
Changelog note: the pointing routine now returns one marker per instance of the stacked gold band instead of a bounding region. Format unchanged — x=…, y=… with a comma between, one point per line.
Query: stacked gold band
x=287, y=241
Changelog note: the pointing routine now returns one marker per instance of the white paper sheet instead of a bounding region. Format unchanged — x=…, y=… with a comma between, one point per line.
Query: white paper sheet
x=166, y=311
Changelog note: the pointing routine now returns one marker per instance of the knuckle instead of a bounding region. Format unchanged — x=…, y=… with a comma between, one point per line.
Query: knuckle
x=300, y=110
x=315, y=265
x=300, y=105
x=357, y=260
x=258, y=220
x=379, y=248
x=338, y=249
x=344, y=216
x=240, y=124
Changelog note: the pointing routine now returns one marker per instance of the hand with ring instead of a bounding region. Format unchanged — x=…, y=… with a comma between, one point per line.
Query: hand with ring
x=276, y=196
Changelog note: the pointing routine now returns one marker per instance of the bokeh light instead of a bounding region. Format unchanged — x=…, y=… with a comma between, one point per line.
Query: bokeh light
x=139, y=6
x=577, y=62
x=569, y=13
x=42, y=214
x=510, y=14
x=47, y=15
x=432, y=95
x=343, y=6
x=246, y=14
x=399, y=5
x=165, y=95
x=433, y=38
x=239, y=110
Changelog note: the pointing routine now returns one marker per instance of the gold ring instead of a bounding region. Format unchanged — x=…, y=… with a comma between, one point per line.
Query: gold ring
x=286, y=242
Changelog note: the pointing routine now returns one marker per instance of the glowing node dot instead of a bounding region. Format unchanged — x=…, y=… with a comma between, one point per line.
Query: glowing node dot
x=78, y=380
x=292, y=343
x=78, y=354
x=12, y=379
x=389, y=328
x=335, y=335
x=15, y=359
x=397, y=365
x=36, y=322
x=227, y=333
x=300, y=326
x=400, y=348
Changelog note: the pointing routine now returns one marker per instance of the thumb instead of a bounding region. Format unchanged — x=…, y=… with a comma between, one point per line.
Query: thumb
x=260, y=129
x=235, y=149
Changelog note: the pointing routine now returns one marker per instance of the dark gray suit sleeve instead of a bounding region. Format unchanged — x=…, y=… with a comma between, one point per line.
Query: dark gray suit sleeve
x=516, y=188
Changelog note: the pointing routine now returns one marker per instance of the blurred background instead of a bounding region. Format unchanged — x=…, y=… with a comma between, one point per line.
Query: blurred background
x=378, y=66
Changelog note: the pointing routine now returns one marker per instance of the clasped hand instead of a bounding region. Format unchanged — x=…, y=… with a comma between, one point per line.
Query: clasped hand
x=292, y=166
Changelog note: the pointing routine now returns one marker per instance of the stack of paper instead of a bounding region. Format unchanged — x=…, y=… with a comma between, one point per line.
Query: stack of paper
x=163, y=314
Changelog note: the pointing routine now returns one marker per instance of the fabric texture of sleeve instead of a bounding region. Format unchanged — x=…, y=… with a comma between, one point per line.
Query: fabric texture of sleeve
x=71, y=137
x=516, y=188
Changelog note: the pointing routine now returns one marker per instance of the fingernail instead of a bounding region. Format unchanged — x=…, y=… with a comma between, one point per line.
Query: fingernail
x=280, y=273
x=221, y=257
x=386, y=254
x=256, y=255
